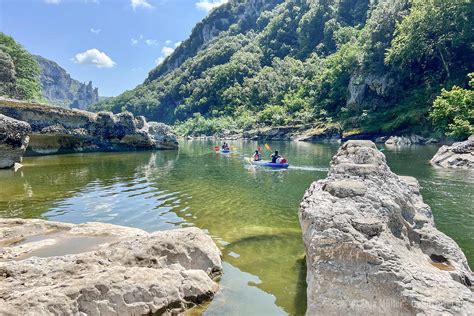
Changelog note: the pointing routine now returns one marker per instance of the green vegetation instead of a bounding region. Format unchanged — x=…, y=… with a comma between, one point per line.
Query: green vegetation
x=371, y=66
x=19, y=71
x=453, y=111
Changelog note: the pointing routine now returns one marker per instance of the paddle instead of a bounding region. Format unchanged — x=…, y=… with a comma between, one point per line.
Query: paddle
x=268, y=148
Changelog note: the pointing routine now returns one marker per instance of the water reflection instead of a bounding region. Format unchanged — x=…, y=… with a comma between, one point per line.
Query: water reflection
x=251, y=212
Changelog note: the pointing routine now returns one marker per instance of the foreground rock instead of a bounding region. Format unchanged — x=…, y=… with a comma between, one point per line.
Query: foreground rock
x=459, y=155
x=119, y=270
x=372, y=247
x=13, y=141
x=60, y=130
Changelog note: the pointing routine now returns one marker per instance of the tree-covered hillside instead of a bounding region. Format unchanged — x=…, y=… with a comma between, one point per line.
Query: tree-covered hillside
x=365, y=65
x=19, y=71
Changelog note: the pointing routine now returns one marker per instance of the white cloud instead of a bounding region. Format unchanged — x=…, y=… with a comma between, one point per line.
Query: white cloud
x=151, y=42
x=166, y=51
x=208, y=5
x=168, y=42
x=143, y=4
x=94, y=57
x=133, y=41
x=159, y=60
x=95, y=31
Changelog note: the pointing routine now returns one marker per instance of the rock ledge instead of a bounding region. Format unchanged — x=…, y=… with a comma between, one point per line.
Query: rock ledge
x=123, y=271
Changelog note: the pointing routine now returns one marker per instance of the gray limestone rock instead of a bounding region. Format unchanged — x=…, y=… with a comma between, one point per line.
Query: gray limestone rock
x=372, y=247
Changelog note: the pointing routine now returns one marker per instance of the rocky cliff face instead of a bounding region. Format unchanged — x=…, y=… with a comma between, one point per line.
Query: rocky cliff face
x=60, y=130
x=13, y=140
x=459, y=155
x=101, y=269
x=59, y=88
x=372, y=246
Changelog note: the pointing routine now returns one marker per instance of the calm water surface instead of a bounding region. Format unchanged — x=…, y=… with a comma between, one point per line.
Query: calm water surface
x=251, y=212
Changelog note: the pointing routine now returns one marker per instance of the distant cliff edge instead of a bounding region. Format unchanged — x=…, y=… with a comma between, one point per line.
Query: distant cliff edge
x=59, y=88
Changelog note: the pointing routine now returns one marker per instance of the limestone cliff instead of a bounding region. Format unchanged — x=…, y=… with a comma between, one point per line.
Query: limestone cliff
x=60, y=89
x=60, y=130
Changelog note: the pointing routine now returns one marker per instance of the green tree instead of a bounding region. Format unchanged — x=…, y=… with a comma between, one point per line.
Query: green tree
x=453, y=111
x=434, y=35
x=23, y=78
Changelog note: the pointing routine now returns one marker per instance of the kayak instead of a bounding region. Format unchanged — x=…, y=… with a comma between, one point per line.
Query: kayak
x=265, y=163
x=224, y=151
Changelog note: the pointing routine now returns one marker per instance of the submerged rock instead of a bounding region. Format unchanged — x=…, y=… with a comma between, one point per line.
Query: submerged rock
x=372, y=246
x=120, y=270
x=459, y=155
x=59, y=130
x=13, y=140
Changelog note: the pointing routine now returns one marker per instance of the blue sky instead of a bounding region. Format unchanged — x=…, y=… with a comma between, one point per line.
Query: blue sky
x=114, y=43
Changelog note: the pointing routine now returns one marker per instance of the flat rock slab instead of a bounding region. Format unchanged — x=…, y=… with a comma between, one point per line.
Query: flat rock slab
x=102, y=269
x=372, y=247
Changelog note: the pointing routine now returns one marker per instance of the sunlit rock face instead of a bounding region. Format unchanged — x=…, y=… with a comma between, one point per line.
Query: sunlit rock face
x=59, y=130
x=60, y=89
x=459, y=155
x=372, y=246
x=102, y=269
x=13, y=140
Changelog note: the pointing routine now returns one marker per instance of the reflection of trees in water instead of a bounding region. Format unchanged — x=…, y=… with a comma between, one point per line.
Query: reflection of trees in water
x=48, y=179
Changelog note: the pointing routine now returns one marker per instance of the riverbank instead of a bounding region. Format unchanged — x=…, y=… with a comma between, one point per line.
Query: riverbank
x=55, y=130
x=321, y=133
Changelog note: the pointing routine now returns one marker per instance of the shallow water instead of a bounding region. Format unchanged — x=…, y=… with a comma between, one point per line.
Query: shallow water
x=251, y=212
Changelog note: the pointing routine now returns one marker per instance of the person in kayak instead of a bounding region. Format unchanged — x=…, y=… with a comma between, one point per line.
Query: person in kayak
x=256, y=156
x=275, y=156
x=225, y=146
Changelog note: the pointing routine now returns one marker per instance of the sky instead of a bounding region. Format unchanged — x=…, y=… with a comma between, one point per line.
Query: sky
x=113, y=43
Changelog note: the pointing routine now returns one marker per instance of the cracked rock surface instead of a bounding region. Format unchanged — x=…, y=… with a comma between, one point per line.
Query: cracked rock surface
x=122, y=271
x=372, y=246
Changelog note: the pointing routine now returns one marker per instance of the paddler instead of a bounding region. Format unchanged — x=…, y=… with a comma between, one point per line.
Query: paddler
x=256, y=156
x=275, y=156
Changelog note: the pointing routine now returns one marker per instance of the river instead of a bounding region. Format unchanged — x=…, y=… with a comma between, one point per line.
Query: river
x=251, y=212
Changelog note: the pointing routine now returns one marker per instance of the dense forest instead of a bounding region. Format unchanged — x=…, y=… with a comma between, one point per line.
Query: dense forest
x=19, y=71
x=364, y=65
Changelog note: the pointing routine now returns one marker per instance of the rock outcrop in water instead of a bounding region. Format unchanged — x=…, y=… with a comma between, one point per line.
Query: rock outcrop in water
x=372, y=246
x=59, y=130
x=459, y=155
x=104, y=269
x=13, y=140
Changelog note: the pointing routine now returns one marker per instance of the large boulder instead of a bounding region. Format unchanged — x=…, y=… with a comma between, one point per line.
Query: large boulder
x=161, y=135
x=372, y=247
x=459, y=155
x=102, y=269
x=13, y=140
